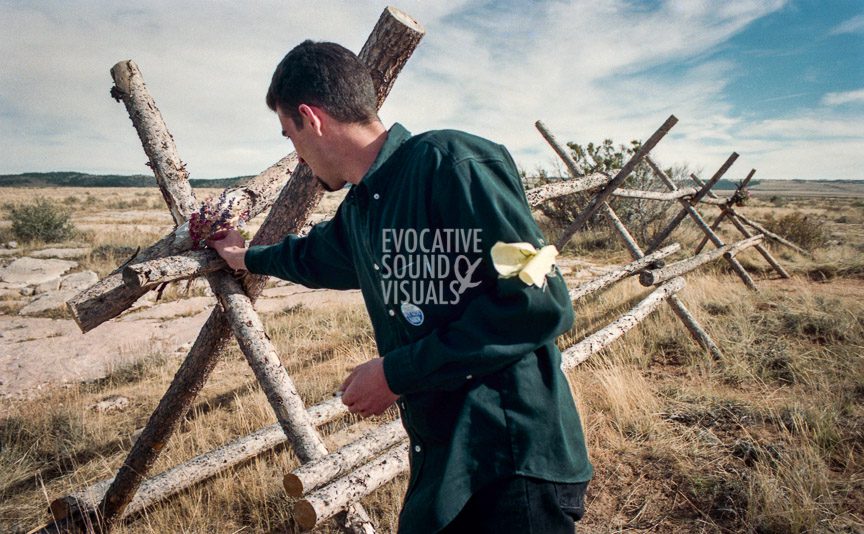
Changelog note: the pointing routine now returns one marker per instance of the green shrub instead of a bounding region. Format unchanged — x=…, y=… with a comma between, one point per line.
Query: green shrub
x=41, y=221
x=807, y=231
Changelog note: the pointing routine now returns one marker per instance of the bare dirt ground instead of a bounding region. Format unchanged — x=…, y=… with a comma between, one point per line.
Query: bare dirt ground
x=40, y=352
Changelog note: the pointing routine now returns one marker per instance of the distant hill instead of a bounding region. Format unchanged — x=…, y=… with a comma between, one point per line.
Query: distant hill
x=80, y=179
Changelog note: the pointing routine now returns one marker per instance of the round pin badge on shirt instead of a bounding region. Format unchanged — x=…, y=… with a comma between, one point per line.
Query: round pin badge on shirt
x=412, y=313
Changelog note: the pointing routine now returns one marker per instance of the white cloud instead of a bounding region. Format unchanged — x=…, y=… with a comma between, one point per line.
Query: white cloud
x=853, y=25
x=837, y=99
x=590, y=70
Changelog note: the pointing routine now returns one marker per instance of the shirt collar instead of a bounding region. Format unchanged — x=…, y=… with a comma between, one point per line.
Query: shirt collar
x=395, y=137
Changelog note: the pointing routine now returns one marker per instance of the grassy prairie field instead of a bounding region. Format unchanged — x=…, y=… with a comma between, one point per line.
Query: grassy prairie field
x=768, y=439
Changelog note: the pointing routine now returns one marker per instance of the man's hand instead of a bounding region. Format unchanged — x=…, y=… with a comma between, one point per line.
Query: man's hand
x=231, y=246
x=365, y=391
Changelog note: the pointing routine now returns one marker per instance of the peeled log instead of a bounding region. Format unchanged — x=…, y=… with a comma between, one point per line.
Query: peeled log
x=604, y=337
x=653, y=277
x=288, y=215
x=316, y=473
x=264, y=360
x=655, y=195
x=150, y=274
x=196, y=470
x=538, y=195
x=597, y=201
x=325, y=502
x=606, y=280
x=170, y=172
x=663, y=234
x=677, y=306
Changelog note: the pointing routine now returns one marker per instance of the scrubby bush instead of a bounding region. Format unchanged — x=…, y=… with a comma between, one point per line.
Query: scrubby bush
x=644, y=218
x=805, y=230
x=42, y=220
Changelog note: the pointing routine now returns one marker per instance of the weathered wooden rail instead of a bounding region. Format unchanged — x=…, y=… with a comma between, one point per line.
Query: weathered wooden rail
x=388, y=48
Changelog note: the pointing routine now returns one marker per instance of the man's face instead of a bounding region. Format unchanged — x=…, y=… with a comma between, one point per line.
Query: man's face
x=308, y=146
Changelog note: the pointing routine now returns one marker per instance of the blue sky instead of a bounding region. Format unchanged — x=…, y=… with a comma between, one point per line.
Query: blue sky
x=781, y=82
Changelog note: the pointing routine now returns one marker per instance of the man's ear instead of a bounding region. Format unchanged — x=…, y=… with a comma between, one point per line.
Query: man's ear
x=312, y=116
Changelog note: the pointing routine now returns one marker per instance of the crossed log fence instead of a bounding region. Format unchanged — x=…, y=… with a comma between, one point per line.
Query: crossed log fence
x=329, y=484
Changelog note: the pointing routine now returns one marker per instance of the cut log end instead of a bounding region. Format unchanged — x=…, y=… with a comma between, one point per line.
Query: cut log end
x=304, y=514
x=647, y=279
x=293, y=485
x=121, y=73
x=405, y=19
x=73, y=311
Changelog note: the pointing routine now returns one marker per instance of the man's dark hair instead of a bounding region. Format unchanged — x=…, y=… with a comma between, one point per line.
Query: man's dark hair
x=326, y=75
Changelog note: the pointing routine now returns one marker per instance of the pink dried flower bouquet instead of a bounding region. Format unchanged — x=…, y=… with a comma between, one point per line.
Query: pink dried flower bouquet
x=214, y=216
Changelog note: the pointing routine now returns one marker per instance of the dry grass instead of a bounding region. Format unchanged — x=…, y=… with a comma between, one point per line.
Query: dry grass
x=769, y=439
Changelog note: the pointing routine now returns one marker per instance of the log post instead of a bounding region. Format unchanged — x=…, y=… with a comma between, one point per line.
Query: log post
x=728, y=202
x=316, y=473
x=651, y=277
x=158, y=143
x=264, y=360
x=663, y=234
x=622, y=231
x=194, y=471
x=538, y=195
x=149, y=274
x=736, y=265
x=111, y=296
x=655, y=195
x=728, y=211
x=760, y=248
x=606, y=280
x=391, y=44
x=326, y=501
x=688, y=209
x=596, y=202
x=602, y=338
x=677, y=306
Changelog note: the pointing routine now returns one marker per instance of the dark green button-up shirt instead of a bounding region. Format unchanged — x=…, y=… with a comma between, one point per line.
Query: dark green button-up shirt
x=473, y=355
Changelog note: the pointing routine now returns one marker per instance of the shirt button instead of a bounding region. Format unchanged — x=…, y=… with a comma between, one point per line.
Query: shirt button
x=469, y=377
x=376, y=196
x=392, y=313
x=375, y=265
x=416, y=448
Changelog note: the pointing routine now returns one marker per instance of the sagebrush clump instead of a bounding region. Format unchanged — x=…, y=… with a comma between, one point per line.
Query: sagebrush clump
x=807, y=231
x=42, y=220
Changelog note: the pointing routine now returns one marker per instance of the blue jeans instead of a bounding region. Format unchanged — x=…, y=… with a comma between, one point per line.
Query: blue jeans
x=523, y=505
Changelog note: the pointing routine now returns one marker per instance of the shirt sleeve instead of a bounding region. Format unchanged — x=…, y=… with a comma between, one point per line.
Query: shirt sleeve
x=506, y=319
x=321, y=259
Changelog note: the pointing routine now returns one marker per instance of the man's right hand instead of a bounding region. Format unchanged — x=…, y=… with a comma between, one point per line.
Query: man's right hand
x=231, y=246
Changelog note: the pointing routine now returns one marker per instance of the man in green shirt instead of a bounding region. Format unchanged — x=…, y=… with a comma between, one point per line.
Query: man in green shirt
x=468, y=353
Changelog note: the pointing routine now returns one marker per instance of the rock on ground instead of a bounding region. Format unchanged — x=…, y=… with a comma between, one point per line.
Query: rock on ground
x=63, y=253
x=33, y=271
x=35, y=352
x=114, y=403
x=47, y=302
x=79, y=281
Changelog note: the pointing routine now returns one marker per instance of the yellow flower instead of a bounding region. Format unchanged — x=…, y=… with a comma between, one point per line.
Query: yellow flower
x=522, y=259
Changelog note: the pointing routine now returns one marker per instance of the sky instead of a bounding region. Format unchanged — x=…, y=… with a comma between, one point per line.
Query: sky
x=781, y=82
